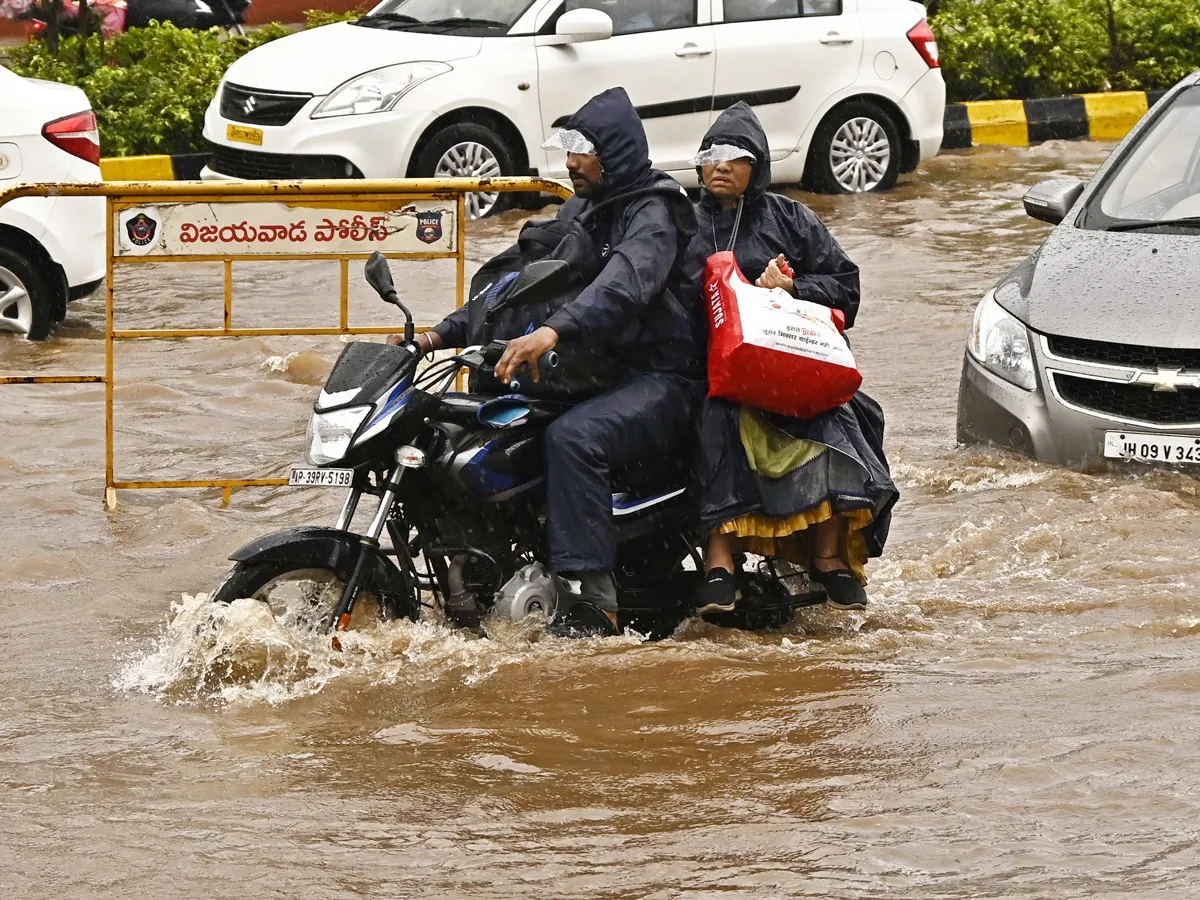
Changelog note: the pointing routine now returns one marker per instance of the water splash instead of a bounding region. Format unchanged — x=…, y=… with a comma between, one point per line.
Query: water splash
x=239, y=654
x=299, y=367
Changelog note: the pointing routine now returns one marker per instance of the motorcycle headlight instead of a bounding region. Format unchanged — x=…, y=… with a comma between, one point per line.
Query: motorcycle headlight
x=330, y=433
x=1000, y=342
x=377, y=91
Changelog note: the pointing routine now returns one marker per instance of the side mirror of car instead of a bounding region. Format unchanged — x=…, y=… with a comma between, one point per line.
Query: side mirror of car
x=580, y=25
x=1050, y=201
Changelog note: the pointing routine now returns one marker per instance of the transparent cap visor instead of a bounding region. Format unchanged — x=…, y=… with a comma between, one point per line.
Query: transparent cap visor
x=719, y=153
x=571, y=142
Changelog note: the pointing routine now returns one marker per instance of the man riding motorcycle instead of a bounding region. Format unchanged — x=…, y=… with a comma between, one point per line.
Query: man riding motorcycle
x=642, y=309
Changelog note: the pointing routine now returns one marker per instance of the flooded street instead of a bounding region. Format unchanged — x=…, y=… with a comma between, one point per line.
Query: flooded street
x=1012, y=717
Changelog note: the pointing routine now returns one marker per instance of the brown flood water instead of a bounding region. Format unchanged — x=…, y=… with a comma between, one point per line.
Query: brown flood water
x=1013, y=717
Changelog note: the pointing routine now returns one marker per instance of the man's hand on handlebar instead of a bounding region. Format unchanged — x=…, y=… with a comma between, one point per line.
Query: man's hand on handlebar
x=427, y=341
x=526, y=350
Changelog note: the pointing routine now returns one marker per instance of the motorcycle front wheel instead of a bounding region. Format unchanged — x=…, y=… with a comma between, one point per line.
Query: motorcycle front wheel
x=299, y=597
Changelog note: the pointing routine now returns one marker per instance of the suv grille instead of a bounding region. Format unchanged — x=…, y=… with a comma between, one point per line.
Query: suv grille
x=254, y=165
x=1130, y=401
x=256, y=107
x=1130, y=355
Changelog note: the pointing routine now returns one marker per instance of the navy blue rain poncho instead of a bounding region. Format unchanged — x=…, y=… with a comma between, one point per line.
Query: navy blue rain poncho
x=644, y=304
x=857, y=476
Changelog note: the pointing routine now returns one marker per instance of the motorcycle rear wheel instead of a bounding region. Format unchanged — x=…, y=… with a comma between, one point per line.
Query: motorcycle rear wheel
x=320, y=588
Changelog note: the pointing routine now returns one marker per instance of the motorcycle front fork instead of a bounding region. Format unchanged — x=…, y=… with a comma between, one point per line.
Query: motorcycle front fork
x=339, y=620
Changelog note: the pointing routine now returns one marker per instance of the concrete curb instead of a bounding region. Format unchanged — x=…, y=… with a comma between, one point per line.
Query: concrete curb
x=1019, y=123
x=181, y=167
x=1015, y=123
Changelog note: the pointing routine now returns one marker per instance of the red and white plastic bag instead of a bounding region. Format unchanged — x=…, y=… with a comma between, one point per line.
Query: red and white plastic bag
x=771, y=351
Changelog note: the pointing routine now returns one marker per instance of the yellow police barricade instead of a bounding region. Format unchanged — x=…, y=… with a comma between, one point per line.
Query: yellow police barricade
x=226, y=222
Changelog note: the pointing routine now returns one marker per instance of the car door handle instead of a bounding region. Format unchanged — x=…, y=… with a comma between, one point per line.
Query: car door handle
x=690, y=49
x=834, y=38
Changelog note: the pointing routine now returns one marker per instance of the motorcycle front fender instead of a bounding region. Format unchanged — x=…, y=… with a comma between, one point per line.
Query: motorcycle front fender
x=312, y=546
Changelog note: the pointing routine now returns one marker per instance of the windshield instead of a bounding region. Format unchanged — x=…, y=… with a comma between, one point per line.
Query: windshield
x=420, y=15
x=1158, y=178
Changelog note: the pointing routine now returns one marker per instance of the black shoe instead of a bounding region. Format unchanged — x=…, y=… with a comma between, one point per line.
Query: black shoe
x=842, y=589
x=719, y=593
x=583, y=620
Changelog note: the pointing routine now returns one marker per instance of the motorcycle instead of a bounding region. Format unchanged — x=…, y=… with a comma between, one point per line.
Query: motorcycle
x=458, y=487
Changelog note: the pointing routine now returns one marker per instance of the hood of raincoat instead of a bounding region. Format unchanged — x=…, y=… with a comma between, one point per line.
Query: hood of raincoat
x=740, y=127
x=610, y=121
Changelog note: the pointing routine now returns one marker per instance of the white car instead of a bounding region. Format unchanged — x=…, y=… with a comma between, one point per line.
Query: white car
x=849, y=91
x=52, y=248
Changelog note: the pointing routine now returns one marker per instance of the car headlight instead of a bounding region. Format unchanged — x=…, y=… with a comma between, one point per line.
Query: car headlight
x=330, y=433
x=377, y=91
x=1000, y=342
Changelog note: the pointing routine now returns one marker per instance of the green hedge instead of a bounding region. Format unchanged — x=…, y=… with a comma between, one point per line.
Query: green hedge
x=1001, y=49
x=150, y=86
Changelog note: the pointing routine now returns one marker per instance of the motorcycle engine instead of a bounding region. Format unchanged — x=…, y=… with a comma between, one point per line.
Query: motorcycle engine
x=530, y=591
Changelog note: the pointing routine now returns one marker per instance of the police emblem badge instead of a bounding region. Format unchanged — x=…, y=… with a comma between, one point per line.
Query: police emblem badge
x=141, y=229
x=429, y=227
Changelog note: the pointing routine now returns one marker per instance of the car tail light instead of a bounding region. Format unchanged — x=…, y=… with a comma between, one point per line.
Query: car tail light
x=76, y=135
x=922, y=37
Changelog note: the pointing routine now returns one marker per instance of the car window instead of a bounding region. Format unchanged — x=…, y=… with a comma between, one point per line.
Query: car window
x=1159, y=177
x=757, y=10
x=416, y=14
x=632, y=16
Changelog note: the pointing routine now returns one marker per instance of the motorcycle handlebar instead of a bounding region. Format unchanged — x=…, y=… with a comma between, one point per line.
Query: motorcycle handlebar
x=489, y=355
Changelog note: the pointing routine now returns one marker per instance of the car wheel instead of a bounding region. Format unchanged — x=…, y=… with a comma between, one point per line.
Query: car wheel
x=856, y=149
x=468, y=150
x=26, y=304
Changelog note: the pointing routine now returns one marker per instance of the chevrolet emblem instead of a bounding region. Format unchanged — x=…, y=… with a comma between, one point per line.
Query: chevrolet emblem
x=1167, y=380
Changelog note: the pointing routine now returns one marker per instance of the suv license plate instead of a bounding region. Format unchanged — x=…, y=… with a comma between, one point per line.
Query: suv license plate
x=321, y=477
x=1162, y=448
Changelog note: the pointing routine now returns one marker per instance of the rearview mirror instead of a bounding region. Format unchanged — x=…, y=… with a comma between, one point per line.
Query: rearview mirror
x=537, y=280
x=580, y=25
x=379, y=275
x=1050, y=201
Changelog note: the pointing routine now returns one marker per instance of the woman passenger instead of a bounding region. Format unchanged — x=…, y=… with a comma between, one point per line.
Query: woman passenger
x=816, y=492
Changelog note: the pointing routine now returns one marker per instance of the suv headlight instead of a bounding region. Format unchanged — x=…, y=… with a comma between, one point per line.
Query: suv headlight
x=330, y=433
x=377, y=91
x=1000, y=342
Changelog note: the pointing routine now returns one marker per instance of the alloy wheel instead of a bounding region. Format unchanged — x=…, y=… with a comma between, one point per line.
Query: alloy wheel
x=859, y=155
x=16, y=306
x=471, y=159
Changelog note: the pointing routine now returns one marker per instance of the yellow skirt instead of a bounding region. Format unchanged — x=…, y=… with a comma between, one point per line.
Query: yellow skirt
x=791, y=538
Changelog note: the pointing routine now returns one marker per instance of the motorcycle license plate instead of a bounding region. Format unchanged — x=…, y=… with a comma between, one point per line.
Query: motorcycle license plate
x=300, y=477
x=1162, y=448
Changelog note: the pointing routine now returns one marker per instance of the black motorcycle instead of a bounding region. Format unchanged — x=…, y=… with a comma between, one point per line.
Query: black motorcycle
x=458, y=481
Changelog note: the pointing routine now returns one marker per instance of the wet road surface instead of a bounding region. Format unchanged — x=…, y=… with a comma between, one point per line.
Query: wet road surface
x=1012, y=717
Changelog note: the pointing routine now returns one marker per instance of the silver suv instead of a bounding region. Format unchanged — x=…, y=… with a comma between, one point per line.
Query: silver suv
x=1090, y=348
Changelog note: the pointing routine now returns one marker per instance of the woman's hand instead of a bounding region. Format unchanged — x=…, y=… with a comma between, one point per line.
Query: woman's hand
x=527, y=349
x=773, y=276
